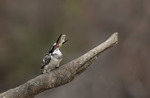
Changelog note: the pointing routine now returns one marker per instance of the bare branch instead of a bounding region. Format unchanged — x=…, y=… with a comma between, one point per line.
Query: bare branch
x=60, y=76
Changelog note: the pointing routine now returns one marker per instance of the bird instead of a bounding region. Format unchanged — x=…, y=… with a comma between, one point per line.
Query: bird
x=54, y=56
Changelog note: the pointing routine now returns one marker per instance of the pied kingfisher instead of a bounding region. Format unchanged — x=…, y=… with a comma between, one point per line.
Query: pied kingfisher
x=52, y=59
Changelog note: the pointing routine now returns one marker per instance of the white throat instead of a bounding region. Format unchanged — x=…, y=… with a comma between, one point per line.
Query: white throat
x=57, y=51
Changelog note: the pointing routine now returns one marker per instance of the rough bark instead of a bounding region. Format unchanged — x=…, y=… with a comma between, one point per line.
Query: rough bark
x=65, y=74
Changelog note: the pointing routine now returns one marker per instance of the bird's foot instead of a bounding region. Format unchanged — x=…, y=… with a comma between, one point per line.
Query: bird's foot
x=56, y=67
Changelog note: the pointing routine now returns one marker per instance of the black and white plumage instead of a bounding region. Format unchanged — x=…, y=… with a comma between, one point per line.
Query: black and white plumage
x=52, y=59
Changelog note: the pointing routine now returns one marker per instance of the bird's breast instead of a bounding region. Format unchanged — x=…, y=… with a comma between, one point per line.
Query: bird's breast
x=55, y=60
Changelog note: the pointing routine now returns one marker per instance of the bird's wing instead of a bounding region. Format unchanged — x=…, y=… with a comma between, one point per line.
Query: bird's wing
x=46, y=60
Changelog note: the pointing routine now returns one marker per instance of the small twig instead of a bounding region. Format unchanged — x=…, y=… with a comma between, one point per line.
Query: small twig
x=60, y=76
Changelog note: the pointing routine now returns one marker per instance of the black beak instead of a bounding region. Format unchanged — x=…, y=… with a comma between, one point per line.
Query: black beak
x=58, y=38
x=65, y=41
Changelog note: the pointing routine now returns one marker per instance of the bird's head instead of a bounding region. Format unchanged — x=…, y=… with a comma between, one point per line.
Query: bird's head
x=61, y=40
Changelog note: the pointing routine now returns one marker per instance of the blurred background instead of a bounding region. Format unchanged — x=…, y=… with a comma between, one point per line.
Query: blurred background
x=29, y=27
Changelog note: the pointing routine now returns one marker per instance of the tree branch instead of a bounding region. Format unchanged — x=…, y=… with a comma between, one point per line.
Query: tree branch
x=60, y=76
